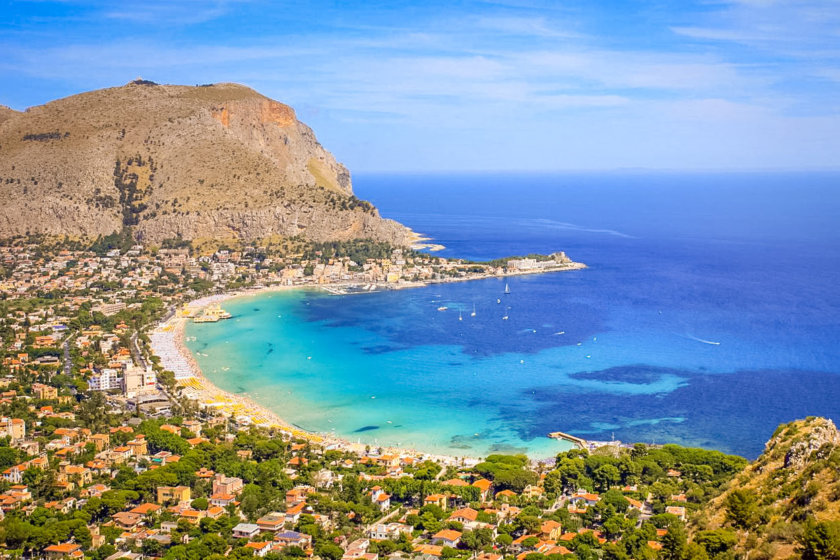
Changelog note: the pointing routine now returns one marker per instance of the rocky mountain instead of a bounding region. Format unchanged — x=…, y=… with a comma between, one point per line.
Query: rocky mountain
x=6, y=113
x=208, y=162
x=781, y=503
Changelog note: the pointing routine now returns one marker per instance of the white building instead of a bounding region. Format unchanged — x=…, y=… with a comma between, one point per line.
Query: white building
x=105, y=380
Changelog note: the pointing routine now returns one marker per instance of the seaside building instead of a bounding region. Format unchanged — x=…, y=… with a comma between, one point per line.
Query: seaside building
x=138, y=380
x=105, y=380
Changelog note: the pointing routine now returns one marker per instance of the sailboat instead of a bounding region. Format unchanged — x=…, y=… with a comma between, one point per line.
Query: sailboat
x=473, y=313
x=507, y=288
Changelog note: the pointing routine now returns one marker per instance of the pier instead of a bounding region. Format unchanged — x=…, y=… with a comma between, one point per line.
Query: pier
x=580, y=442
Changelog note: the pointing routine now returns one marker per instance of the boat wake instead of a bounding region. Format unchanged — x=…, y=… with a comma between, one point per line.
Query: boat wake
x=574, y=227
x=712, y=342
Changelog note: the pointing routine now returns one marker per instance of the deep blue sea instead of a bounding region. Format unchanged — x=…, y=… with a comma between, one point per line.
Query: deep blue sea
x=710, y=313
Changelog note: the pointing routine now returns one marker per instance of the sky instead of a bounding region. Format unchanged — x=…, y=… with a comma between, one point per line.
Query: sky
x=496, y=85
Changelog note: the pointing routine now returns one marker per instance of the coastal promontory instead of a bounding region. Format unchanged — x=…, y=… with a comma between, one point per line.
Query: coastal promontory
x=217, y=161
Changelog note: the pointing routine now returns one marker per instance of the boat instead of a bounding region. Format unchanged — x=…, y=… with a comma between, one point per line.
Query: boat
x=473, y=313
x=442, y=308
x=507, y=288
x=498, y=300
x=505, y=318
x=460, y=317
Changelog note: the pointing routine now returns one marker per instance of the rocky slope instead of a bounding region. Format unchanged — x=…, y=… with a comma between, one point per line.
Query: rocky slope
x=794, y=484
x=206, y=162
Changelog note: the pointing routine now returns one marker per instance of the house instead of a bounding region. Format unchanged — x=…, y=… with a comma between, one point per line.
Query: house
x=14, y=428
x=101, y=441
x=120, y=454
x=447, y=537
x=127, y=520
x=64, y=550
x=505, y=495
x=388, y=531
x=297, y=462
x=519, y=543
x=293, y=538
x=533, y=492
x=204, y=473
x=551, y=530
x=428, y=550
x=382, y=501
x=138, y=446
x=194, y=516
x=246, y=530
x=82, y=476
x=585, y=498
x=356, y=549
x=222, y=499
x=227, y=484
x=272, y=522
x=464, y=515
x=214, y=512
x=297, y=495
x=44, y=392
x=679, y=511
x=293, y=513
x=177, y=494
x=439, y=500
x=193, y=426
x=484, y=486
x=146, y=510
x=260, y=548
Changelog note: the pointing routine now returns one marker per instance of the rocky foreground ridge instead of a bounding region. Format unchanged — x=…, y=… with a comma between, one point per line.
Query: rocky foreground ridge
x=787, y=497
x=208, y=162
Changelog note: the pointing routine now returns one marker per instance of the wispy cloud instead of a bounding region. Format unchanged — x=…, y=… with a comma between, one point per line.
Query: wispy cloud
x=512, y=79
x=165, y=13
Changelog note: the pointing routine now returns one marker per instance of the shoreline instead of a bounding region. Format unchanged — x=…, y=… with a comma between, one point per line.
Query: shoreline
x=168, y=342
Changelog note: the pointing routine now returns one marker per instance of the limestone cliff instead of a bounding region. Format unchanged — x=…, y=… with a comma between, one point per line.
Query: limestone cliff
x=218, y=161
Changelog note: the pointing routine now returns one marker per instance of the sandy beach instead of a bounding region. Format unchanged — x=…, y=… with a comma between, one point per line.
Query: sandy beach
x=168, y=343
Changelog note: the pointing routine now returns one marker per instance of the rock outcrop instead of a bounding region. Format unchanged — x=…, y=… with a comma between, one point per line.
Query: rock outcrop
x=218, y=161
x=794, y=482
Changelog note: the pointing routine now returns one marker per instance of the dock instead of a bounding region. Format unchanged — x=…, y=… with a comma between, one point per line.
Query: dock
x=580, y=442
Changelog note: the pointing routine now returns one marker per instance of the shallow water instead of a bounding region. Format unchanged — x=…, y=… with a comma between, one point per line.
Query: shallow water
x=708, y=315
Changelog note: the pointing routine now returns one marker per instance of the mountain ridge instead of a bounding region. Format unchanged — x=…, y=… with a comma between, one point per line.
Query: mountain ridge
x=212, y=161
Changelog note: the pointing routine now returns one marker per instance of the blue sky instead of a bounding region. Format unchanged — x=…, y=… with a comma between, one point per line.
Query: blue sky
x=465, y=85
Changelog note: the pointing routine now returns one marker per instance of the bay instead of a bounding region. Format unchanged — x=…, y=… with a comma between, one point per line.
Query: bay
x=709, y=314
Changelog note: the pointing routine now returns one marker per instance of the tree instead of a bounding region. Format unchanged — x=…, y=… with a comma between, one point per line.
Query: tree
x=821, y=541
x=329, y=551
x=504, y=540
x=606, y=476
x=200, y=504
x=674, y=542
x=151, y=547
x=717, y=542
x=742, y=508
x=694, y=551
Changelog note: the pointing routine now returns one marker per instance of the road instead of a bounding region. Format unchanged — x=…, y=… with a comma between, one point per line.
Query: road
x=135, y=352
x=382, y=519
x=67, y=363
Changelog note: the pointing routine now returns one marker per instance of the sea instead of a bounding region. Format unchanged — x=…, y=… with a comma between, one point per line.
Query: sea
x=709, y=313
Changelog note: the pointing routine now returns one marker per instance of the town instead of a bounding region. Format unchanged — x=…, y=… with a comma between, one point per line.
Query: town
x=103, y=454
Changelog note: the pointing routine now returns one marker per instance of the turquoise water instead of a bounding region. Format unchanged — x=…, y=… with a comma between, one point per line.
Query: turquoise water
x=708, y=315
